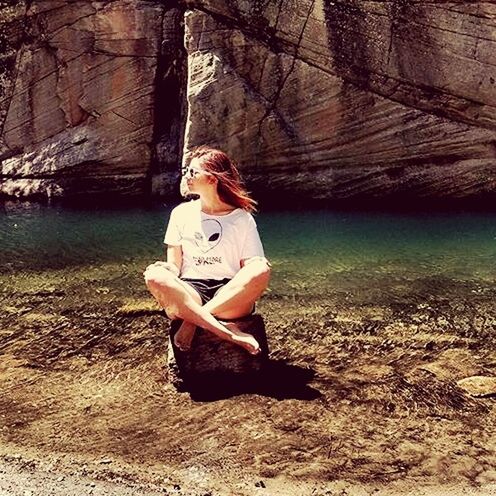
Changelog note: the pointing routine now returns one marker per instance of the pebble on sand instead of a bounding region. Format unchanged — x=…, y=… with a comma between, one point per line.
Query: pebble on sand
x=478, y=385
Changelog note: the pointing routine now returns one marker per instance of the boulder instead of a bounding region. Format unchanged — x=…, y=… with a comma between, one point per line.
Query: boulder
x=211, y=358
x=478, y=385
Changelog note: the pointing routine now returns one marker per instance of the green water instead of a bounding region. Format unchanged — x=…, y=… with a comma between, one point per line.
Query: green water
x=313, y=244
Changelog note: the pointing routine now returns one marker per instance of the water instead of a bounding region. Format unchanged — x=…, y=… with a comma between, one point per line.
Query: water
x=304, y=246
x=41, y=237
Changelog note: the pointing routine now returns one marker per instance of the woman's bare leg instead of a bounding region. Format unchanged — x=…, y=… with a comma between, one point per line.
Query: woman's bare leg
x=186, y=332
x=237, y=297
x=184, y=335
x=179, y=303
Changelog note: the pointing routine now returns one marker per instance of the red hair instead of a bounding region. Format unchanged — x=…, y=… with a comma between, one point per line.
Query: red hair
x=229, y=185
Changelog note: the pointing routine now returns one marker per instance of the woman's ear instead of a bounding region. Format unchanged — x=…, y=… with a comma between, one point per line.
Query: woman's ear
x=212, y=179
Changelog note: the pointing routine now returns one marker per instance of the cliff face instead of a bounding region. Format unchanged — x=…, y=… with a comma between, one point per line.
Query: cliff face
x=346, y=98
x=80, y=83
x=324, y=99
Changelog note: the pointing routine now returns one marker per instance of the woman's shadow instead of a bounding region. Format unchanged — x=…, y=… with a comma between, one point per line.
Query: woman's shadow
x=214, y=370
x=278, y=379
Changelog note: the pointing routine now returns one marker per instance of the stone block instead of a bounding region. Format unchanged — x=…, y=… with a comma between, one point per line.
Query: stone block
x=211, y=358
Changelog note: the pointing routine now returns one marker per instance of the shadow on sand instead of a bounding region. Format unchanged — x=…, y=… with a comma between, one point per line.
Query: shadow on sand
x=278, y=379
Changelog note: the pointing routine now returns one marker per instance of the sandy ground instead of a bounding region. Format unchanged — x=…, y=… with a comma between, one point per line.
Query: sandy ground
x=19, y=477
x=363, y=399
x=23, y=478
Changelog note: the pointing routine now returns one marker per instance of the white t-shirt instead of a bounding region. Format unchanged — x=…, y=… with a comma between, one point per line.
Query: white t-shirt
x=213, y=245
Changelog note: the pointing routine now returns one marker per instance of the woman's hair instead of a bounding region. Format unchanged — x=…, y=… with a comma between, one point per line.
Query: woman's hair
x=229, y=184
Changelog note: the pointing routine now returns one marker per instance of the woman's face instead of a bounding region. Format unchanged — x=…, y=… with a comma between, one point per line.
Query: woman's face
x=197, y=179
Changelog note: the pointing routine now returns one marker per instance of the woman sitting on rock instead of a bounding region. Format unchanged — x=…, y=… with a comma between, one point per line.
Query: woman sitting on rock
x=215, y=267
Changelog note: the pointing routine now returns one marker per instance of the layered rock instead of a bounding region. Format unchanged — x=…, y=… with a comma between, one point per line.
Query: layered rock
x=322, y=99
x=80, y=114
x=347, y=99
x=12, y=35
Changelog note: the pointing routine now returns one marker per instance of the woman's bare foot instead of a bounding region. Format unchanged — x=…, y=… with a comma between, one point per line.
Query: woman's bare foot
x=184, y=336
x=247, y=341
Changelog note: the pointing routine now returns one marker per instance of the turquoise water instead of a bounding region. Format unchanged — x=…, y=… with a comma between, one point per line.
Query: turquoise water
x=313, y=243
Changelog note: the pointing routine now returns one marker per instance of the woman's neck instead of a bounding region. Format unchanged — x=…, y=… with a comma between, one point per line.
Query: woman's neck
x=212, y=204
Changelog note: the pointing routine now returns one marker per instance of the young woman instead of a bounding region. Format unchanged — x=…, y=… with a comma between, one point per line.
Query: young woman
x=215, y=266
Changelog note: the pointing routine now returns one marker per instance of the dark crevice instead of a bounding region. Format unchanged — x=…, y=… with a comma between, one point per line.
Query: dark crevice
x=170, y=104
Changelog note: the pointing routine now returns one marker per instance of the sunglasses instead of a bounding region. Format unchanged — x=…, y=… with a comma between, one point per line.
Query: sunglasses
x=191, y=172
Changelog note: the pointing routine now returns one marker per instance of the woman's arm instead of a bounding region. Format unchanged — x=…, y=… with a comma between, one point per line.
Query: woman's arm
x=252, y=249
x=174, y=260
x=175, y=257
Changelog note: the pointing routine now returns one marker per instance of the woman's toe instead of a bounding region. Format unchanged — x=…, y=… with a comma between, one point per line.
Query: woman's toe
x=181, y=344
x=178, y=342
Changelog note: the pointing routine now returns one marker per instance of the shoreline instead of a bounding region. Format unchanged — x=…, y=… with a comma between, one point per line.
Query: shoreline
x=83, y=372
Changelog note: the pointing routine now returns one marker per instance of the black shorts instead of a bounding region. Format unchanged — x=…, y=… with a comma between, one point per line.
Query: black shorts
x=206, y=288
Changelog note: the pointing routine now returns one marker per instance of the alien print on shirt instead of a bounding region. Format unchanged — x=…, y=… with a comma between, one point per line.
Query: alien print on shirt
x=211, y=235
x=206, y=240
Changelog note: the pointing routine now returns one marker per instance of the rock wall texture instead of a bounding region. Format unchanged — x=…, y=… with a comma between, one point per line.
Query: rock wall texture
x=78, y=93
x=341, y=99
x=319, y=99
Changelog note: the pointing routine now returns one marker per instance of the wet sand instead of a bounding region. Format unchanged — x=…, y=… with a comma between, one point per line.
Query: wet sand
x=369, y=400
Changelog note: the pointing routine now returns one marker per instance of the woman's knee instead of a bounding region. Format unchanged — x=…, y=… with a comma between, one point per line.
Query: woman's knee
x=158, y=277
x=260, y=270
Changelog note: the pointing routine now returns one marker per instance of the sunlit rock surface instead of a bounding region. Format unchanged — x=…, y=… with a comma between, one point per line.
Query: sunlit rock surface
x=321, y=99
x=78, y=108
x=348, y=99
x=478, y=386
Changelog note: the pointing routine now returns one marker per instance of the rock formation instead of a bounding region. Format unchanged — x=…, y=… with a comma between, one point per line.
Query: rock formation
x=341, y=99
x=319, y=99
x=211, y=358
x=78, y=105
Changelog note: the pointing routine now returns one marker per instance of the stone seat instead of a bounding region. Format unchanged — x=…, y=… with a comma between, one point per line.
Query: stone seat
x=211, y=358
